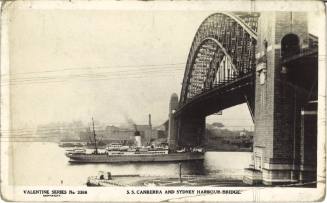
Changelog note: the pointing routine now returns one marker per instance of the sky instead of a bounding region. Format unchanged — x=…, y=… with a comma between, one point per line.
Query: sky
x=113, y=65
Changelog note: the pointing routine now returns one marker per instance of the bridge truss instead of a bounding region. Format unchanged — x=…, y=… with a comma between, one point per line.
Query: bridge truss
x=223, y=50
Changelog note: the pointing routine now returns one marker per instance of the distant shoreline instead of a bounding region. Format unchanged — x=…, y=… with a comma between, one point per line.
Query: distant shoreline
x=229, y=150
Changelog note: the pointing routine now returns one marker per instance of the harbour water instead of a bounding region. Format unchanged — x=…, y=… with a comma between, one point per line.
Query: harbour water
x=44, y=163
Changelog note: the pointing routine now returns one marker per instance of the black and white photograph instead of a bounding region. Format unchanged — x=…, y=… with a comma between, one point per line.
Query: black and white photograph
x=163, y=101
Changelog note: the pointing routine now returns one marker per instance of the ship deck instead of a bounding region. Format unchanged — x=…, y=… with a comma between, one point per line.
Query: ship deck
x=105, y=158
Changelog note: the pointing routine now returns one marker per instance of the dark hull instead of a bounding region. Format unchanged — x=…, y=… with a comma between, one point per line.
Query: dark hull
x=104, y=158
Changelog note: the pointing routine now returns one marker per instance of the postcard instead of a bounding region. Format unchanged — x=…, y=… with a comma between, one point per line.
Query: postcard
x=149, y=101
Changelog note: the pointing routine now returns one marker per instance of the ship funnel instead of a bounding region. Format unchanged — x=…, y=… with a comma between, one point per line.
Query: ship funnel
x=137, y=136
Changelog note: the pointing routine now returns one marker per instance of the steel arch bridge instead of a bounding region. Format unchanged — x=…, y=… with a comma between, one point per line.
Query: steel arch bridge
x=222, y=54
x=273, y=67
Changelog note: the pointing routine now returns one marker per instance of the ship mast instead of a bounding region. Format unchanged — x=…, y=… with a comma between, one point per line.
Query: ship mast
x=95, y=140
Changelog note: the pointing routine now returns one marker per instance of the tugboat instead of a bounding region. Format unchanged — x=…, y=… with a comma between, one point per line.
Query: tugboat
x=115, y=153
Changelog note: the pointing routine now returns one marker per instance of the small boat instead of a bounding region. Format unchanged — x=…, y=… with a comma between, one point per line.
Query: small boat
x=106, y=179
x=181, y=150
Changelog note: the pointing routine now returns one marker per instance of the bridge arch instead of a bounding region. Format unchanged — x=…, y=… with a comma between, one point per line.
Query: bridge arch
x=221, y=37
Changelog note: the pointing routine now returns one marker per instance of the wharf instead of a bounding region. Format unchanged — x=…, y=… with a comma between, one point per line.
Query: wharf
x=186, y=180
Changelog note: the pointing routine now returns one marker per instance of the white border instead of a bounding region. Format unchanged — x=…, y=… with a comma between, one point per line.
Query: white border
x=119, y=194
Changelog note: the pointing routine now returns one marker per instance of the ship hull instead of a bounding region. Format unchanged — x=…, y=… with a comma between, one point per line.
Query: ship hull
x=105, y=158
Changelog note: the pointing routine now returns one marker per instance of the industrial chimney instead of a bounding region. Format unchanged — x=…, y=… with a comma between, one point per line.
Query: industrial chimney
x=150, y=123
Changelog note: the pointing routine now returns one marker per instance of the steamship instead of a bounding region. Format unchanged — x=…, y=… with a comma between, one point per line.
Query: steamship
x=116, y=153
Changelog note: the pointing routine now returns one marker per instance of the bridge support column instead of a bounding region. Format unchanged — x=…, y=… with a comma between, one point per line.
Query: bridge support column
x=186, y=129
x=191, y=130
x=278, y=103
x=308, y=148
x=172, y=122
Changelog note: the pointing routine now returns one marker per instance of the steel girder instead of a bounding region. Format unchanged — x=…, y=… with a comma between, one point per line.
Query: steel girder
x=223, y=49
